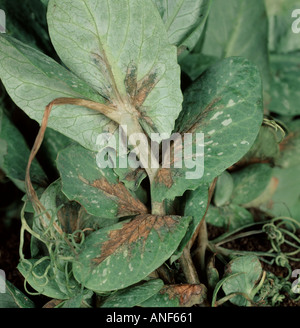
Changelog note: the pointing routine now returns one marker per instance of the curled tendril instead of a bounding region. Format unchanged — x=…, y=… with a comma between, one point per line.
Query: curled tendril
x=274, y=233
x=59, y=254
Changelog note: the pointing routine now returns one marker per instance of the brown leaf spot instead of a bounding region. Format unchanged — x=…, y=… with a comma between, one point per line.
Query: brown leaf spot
x=127, y=204
x=138, y=91
x=164, y=176
x=131, y=80
x=132, y=232
x=144, y=87
x=187, y=294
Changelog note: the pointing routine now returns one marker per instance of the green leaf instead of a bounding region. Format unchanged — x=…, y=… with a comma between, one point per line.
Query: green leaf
x=77, y=301
x=14, y=298
x=223, y=190
x=229, y=217
x=250, y=268
x=265, y=147
x=285, y=93
x=14, y=154
x=250, y=183
x=98, y=190
x=26, y=21
x=195, y=206
x=121, y=255
x=281, y=37
x=286, y=199
x=134, y=67
x=184, y=20
x=41, y=277
x=212, y=273
x=230, y=32
x=33, y=80
x=133, y=296
x=226, y=107
x=183, y=295
x=195, y=64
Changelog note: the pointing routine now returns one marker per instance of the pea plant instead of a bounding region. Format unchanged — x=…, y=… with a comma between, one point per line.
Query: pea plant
x=158, y=124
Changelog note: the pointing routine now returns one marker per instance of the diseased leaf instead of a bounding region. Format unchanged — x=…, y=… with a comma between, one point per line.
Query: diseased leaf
x=133, y=296
x=225, y=106
x=97, y=190
x=33, y=80
x=183, y=295
x=184, y=20
x=250, y=268
x=124, y=254
x=250, y=183
x=135, y=67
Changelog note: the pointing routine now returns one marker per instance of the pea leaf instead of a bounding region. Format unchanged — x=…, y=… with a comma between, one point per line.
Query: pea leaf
x=285, y=201
x=132, y=296
x=250, y=183
x=97, y=190
x=265, y=147
x=230, y=217
x=250, y=268
x=128, y=66
x=195, y=206
x=14, y=298
x=281, y=38
x=183, y=295
x=133, y=248
x=184, y=20
x=230, y=32
x=45, y=281
x=33, y=80
x=285, y=92
x=14, y=154
x=223, y=190
x=225, y=108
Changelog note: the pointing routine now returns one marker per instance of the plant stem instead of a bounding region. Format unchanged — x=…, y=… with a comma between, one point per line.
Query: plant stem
x=158, y=208
x=202, y=243
x=188, y=267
